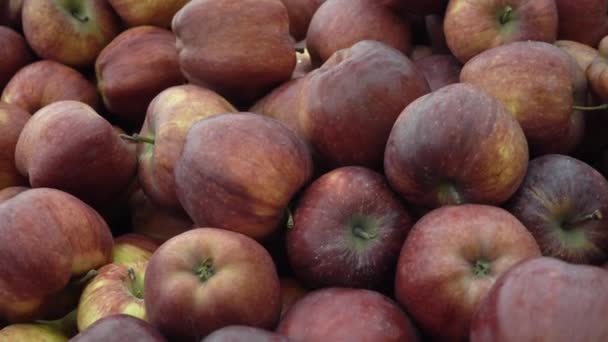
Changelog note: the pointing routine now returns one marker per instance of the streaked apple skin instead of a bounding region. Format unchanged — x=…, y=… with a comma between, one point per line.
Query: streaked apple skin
x=12, y=121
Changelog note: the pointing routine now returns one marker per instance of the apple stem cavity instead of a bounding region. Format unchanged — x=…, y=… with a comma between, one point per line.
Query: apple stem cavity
x=591, y=108
x=505, y=17
x=481, y=268
x=596, y=215
x=137, y=138
x=78, y=17
x=205, y=271
x=360, y=232
x=448, y=195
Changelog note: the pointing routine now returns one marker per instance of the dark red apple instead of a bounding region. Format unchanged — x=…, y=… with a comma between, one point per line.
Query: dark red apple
x=15, y=54
x=242, y=333
x=119, y=327
x=12, y=121
x=584, y=21
x=439, y=70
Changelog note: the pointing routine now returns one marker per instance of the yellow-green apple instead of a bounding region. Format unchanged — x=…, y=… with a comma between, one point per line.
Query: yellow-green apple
x=584, y=21
x=541, y=85
x=150, y=12
x=291, y=292
x=583, y=54
x=11, y=191
x=241, y=60
x=328, y=315
x=68, y=146
x=50, y=240
x=300, y=13
x=566, y=213
x=339, y=24
x=472, y=27
x=544, y=299
x=12, y=120
x=450, y=260
x=71, y=32
x=439, y=70
x=348, y=229
x=209, y=278
x=161, y=139
x=235, y=333
x=116, y=289
x=28, y=332
x=456, y=145
x=240, y=171
x=15, y=54
x=119, y=327
x=137, y=65
x=44, y=82
x=131, y=248
x=10, y=13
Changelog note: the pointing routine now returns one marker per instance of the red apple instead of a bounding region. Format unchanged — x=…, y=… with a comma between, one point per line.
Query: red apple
x=451, y=259
x=584, y=21
x=132, y=248
x=119, y=327
x=208, y=278
x=14, y=55
x=150, y=12
x=439, y=70
x=12, y=121
x=235, y=333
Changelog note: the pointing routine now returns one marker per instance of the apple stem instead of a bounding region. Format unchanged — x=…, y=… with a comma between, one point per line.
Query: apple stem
x=137, y=138
x=205, y=270
x=591, y=108
x=481, y=268
x=506, y=15
x=363, y=234
x=84, y=279
x=79, y=18
x=136, y=290
x=290, y=223
x=596, y=215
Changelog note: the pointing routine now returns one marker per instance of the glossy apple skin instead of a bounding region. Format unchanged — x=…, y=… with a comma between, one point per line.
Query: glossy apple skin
x=516, y=74
x=119, y=327
x=116, y=289
x=76, y=240
x=31, y=332
x=439, y=70
x=328, y=315
x=131, y=247
x=94, y=164
x=55, y=33
x=300, y=13
x=471, y=27
x=169, y=117
x=291, y=291
x=552, y=208
x=228, y=174
x=155, y=12
x=442, y=274
x=14, y=55
x=44, y=82
x=583, y=54
x=456, y=145
x=12, y=121
x=583, y=21
x=348, y=230
x=135, y=67
x=339, y=24
x=227, y=58
x=208, y=278
x=547, y=300
x=235, y=333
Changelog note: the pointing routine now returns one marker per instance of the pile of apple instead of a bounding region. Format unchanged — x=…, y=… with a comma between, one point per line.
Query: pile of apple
x=304, y=170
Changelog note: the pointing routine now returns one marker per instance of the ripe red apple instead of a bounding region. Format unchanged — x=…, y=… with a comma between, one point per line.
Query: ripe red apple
x=331, y=314
x=584, y=21
x=69, y=32
x=456, y=145
x=50, y=239
x=12, y=120
x=582, y=54
x=450, y=260
x=291, y=292
x=14, y=55
x=349, y=227
x=208, y=278
x=135, y=67
x=300, y=13
x=471, y=27
x=44, y=82
x=540, y=85
x=150, y=12
x=339, y=24
x=228, y=175
x=67, y=145
x=439, y=70
x=567, y=212
x=241, y=60
x=544, y=299
x=119, y=327
x=116, y=289
x=132, y=248
x=235, y=333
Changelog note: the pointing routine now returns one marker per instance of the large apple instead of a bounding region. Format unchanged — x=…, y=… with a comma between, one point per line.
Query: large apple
x=456, y=145
x=49, y=240
x=239, y=171
x=471, y=27
x=71, y=32
x=14, y=55
x=131, y=248
x=119, y=327
x=584, y=21
x=334, y=314
x=544, y=300
x=567, y=212
x=235, y=333
x=349, y=227
x=450, y=260
x=208, y=278
x=12, y=120
x=150, y=12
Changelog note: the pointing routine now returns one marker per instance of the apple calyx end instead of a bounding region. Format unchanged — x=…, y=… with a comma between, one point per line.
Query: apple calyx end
x=506, y=14
x=482, y=268
x=361, y=233
x=137, y=138
x=205, y=271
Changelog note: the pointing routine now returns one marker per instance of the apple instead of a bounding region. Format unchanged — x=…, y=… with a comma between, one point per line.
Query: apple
x=15, y=54
x=119, y=327
x=566, y=213
x=450, y=260
x=131, y=248
x=11, y=191
x=544, y=299
x=471, y=27
x=349, y=227
x=583, y=21
x=235, y=333
x=10, y=13
x=330, y=314
x=161, y=139
x=596, y=72
x=75, y=239
x=456, y=145
x=150, y=12
x=228, y=175
x=439, y=70
x=31, y=332
x=209, y=278
x=71, y=32
x=300, y=13
x=68, y=146
x=44, y=82
x=291, y=292
x=582, y=54
x=12, y=121
x=339, y=24
x=116, y=289
x=148, y=56
x=240, y=59
x=541, y=85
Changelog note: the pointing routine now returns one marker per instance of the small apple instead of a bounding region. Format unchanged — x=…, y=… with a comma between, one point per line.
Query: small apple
x=12, y=121
x=119, y=327
x=235, y=333
x=131, y=248
x=150, y=12
x=14, y=55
